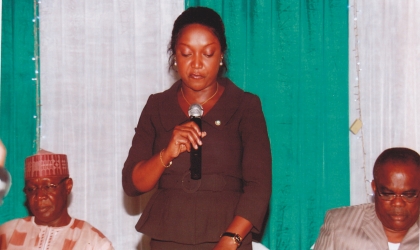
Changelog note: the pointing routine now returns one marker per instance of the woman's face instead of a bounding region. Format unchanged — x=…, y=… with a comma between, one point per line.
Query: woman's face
x=198, y=56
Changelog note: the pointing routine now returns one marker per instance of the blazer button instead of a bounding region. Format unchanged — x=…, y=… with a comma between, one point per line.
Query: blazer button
x=217, y=122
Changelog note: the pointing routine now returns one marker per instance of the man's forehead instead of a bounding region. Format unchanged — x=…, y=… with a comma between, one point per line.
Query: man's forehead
x=394, y=175
x=43, y=180
x=393, y=168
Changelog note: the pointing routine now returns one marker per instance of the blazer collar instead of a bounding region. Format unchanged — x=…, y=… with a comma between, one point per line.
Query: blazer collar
x=169, y=110
x=411, y=239
x=373, y=228
x=172, y=115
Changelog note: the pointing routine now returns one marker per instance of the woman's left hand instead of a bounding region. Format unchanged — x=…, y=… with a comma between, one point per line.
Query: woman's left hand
x=240, y=226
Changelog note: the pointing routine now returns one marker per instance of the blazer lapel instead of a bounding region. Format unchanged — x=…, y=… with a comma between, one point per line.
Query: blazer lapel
x=226, y=106
x=411, y=240
x=172, y=115
x=170, y=112
x=373, y=228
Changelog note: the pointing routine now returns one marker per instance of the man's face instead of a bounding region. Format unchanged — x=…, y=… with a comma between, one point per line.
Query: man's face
x=47, y=199
x=398, y=178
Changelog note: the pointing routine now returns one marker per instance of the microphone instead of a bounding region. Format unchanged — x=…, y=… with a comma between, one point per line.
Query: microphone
x=195, y=112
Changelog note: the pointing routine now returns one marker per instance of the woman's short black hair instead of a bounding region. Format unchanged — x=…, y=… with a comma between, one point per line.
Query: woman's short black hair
x=204, y=16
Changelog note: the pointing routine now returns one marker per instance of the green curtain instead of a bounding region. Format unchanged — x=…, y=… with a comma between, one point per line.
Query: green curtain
x=294, y=55
x=18, y=91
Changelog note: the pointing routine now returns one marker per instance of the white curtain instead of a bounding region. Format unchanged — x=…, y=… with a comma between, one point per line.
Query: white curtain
x=100, y=60
x=384, y=52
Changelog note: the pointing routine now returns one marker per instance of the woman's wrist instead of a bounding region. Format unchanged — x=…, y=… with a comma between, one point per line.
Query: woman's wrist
x=236, y=238
x=166, y=165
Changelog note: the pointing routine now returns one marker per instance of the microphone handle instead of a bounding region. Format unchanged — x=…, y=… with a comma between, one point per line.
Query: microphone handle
x=195, y=155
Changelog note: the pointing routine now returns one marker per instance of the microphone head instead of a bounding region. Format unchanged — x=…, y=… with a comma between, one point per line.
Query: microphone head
x=195, y=110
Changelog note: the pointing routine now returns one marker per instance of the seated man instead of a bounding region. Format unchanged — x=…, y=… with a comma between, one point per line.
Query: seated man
x=392, y=222
x=47, y=186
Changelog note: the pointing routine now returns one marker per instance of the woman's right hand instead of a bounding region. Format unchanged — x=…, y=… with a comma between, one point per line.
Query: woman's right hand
x=147, y=173
x=184, y=137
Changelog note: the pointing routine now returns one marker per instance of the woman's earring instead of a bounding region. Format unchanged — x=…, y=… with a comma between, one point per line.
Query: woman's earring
x=175, y=64
x=221, y=63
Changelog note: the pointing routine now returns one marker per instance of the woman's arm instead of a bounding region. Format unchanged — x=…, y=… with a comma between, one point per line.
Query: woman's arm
x=147, y=173
x=240, y=226
x=256, y=165
x=256, y=172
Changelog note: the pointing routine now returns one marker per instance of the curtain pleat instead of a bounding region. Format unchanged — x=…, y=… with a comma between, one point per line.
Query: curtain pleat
x=18, y=99
x=294, y=55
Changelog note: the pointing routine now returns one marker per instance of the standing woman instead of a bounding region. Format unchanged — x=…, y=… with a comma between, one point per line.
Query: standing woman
x=230, y=200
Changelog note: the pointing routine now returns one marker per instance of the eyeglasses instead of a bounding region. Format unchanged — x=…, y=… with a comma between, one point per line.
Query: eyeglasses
x=47, y=188
x=392, y=196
